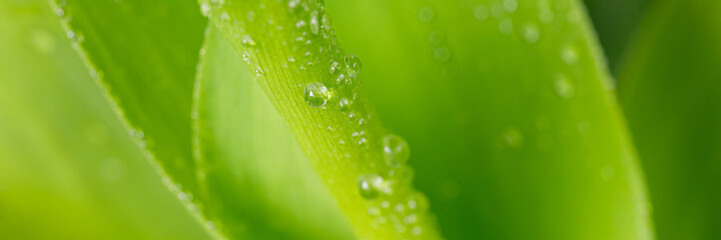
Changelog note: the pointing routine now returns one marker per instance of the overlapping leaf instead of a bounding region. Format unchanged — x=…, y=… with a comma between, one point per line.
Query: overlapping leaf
x=670, y=90
x=67, y=168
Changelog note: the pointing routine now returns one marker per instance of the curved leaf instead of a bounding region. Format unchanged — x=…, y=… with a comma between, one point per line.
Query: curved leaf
x=315, y=86
x=67, y=168
x=670, y=90
x=510, y=114
x=144, y=54
x=257, y=182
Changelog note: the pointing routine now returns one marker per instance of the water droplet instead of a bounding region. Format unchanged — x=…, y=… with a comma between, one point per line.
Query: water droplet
x=247, y=40
x=316, y=94
x=425, y=14
x=334, y=67
x=71, y=35
x=343, y=104
x=395, y=150
x=314, y=25
x=505, y=26
x=410, y=219
x=510, y=5
x=480, y=12
x=325, y=21
x=417, y=230
x=352, y=65
x=442, y=54
x=418, y=202
x=43, y=41
x=369, y=185
x=563, y=86
x=300, y=24
x=225, y=16
x=512, y=137
x=205, y=9
x=531, y=33
x=435, y=38
x=569, y=55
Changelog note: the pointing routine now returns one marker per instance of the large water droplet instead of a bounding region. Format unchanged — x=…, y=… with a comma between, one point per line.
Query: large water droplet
x=395, y=150
x=369, y=185
x=316, y=94
x=352, y=65
x=313, y=22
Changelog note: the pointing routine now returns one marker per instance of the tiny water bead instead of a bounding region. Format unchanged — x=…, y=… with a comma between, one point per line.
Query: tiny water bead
x=505, y=26
x=480, y=12
x=370, y=185
x=512, y=138
x=316, y=94
x=395, y=150
x=352, y=65
x=510, y=5
x=531, y=33
x=334, y=67
x=425, y=14
x=563, y=87
x=343, y=104
x=442, y=54
x=569, y=55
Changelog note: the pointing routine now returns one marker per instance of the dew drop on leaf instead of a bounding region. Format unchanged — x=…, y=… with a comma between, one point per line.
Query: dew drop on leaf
x=425, y=14
x=395, y=150
x=563, y=87
x=480, y=12
x=353, y=65
x=569, y=55
x=442, y=54
x=369, y=185
x=316, y=94
x=313, y=22
x=343, y=104
x=531, y=33
x=505, y=26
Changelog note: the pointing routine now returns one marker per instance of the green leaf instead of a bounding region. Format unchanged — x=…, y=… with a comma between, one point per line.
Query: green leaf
x=615, y=22
x=510, y=114
x=144, y=54
x=315, y=86
x=670, y=91
x=67, y=168
x=257, y=182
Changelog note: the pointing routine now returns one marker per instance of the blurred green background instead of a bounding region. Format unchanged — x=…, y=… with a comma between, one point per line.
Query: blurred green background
x=69, y=170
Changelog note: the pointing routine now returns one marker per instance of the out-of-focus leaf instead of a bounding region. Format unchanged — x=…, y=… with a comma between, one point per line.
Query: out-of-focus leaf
x=67, y=168
x=615, y=21
x=513, y=125
x=144, y=54
x=314, y=84
x=257, y=182
x=670, y=89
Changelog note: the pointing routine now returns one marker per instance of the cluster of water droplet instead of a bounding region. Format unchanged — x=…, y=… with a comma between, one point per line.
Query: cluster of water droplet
x=313, y=51
x=391, y=197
